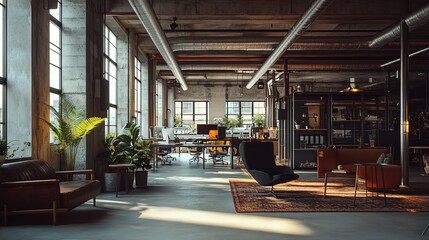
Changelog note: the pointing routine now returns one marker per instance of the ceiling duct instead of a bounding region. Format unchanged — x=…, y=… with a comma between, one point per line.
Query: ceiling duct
x=148, y=18
x=297, y=30
x=413, y=20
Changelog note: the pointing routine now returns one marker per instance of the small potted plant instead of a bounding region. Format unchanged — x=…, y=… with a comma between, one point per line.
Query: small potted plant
x=258, y=120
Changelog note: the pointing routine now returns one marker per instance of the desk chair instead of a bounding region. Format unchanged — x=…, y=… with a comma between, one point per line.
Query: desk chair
x=259, y=160
x=196, y=154
x=164, y=155
x=222, y=152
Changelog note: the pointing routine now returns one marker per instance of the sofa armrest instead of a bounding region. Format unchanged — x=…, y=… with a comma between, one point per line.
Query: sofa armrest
x=326, y=160
x=88, y=172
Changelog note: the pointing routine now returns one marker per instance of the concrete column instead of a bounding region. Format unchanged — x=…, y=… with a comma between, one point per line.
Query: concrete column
x=170, y=107
x=145, y=98
x=19, y=73
x=123, y=81
x=131, y=69
x=74, y=62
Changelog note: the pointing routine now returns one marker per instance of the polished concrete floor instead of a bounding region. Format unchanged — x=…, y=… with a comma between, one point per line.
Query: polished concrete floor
x=187, y=202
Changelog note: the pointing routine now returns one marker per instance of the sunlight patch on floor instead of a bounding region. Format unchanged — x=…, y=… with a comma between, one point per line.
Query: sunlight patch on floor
x=199, y=179
x=227, y=220
x=225, y=173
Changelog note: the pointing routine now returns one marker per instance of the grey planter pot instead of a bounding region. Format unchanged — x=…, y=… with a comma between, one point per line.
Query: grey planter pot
x=111, y=178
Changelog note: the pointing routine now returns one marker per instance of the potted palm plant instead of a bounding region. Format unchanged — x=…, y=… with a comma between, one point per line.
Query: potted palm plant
x=69, y=127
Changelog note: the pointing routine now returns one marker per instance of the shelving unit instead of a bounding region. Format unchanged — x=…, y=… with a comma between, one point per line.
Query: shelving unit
x=343, y=120
x=312, y=134
x=356, y=119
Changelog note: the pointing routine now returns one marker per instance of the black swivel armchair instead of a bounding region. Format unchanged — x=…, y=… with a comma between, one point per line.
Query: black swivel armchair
x=259, y=160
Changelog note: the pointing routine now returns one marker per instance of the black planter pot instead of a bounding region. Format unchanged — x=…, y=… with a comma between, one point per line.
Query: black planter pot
x=141, y=178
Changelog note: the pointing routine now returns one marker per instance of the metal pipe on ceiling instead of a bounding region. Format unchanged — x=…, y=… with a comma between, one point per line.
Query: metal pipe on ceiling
x=150, y=22
x=415, y=19
x=297, y=30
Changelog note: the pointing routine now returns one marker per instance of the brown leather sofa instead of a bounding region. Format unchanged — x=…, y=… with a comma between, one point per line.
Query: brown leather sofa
x=33, y=186
x=328, y=159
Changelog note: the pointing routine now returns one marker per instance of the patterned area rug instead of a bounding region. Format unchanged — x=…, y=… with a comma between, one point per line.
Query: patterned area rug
x=307, y=196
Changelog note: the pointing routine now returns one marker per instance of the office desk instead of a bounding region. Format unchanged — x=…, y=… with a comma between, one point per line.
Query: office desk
x=207, y=145
x=155, y=147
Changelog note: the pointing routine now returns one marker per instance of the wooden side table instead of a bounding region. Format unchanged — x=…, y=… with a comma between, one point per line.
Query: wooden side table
x=121, y=170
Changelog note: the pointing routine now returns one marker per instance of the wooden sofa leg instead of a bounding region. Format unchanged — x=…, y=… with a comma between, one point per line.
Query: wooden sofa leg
x=54, y=212
x=5, y=214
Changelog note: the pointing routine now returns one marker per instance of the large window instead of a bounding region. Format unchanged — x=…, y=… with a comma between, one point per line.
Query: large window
x=192, y=112
x=137, y=91
x=2, y=67
x=111, y=73
x=246, y=109
x=55, y=72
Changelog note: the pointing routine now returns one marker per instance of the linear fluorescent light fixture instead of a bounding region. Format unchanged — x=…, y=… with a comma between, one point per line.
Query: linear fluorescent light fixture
x=411, y=55
x=150, y=22
x=298, y=29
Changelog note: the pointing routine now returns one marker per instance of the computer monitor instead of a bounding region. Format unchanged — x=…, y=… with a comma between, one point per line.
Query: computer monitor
x=156, y=132
x=167, y=134
x=221, y=132
x=205, y=128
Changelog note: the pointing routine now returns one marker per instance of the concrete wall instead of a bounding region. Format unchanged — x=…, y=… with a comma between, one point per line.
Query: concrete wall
x=74, y=62
x=19, y=75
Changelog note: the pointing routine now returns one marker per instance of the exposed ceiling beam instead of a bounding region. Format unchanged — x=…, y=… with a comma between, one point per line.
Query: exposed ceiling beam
x=149, y=20
x=300, y=26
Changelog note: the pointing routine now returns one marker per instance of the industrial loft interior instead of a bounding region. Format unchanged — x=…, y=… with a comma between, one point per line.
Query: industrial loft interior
x=211, y=119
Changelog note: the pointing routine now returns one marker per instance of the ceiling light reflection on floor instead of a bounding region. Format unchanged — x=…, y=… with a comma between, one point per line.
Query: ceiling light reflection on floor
x=227, y=220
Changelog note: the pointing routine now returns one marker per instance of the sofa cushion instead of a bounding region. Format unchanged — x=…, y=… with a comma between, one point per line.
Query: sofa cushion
x=74, y=193
x=381, y=158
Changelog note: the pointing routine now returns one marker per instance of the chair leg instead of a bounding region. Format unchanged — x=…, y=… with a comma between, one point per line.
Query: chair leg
x=93, y=201
x=5, y=214
x=424, y=231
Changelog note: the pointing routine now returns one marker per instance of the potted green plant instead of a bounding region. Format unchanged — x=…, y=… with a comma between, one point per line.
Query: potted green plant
x=258, y=120
x=3, y=150
x=178, y=122
x=130, y=148
x=142, y=161
x=69, y=127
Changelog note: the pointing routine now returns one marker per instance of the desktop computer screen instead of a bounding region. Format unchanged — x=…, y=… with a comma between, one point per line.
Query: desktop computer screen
x=205, y=128
x=167, y=134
